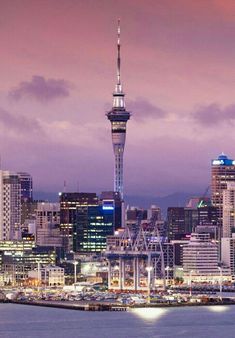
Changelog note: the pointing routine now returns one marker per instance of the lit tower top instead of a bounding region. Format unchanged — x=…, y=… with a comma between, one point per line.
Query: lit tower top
x=118, y=117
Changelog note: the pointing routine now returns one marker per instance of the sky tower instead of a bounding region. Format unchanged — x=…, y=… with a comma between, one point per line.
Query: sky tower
x=118, y=117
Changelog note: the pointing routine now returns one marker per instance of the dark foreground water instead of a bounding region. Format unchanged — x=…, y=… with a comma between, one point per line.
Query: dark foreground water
x=21, y=321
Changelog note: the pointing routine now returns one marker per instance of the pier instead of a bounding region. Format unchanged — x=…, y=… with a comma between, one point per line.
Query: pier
x=84, y=306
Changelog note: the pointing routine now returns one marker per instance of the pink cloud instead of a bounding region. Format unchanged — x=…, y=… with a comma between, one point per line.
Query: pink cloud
x=41, y=89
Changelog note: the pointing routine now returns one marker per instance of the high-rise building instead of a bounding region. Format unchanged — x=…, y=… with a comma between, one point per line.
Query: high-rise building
x=229, y=210
x=207, y=214
x=118, y=117
x=181, y=222
x=26, y=183
x=10, y=205
x=48, y=224
x=112, y=199
x=28, y=210
x=228, y=253
x=200, y=258
x=154, y=213
x=69, y=203
x=85, y=221
x=222, y=172
x=136, y=215
x=93, y=225
x=175, y=222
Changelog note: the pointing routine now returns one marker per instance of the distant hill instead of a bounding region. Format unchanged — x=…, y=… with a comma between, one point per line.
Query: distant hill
x=46, y=196
x=178, y=199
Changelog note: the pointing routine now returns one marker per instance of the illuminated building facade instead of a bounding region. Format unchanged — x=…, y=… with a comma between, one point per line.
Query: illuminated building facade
x=229, y=210
x=180, y=222
x=49, y=275
x=222, y=172
x=85, y=221
x=48, y=224
x=200, y=258
x=10, y=205
x=69, y=204
x=26, y=183
x=228, y=253
x=93, y=225
x=118, y=117
x=19, y=257
x=113, y=198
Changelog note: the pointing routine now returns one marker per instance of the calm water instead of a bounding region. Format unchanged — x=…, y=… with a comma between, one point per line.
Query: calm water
x=20, y=321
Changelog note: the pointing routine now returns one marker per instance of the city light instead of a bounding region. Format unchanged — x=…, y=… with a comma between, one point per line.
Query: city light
x=149, y=314
x=218, y=308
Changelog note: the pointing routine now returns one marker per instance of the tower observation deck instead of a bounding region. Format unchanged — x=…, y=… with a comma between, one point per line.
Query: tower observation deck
x=118, y=116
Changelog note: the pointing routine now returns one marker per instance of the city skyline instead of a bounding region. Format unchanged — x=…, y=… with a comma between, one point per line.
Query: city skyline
x=57, y=78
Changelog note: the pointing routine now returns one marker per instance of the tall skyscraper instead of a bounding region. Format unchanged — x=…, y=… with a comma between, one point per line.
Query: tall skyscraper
x=181, y=222
x=26, y=183
x=118, y=117
x=85, y=222
x=48, y=224
x=229, y=210
x=112, y=199
x=10, y=205
x=222, y=172
x=69, y=203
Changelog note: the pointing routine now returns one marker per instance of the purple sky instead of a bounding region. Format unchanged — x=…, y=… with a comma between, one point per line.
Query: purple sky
x=58, y=73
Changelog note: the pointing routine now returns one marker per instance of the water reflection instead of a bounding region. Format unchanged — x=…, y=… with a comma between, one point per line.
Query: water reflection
x=151, y=314
x=218, y=308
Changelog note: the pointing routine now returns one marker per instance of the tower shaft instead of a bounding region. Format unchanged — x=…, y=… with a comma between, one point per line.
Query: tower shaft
x=118, y=116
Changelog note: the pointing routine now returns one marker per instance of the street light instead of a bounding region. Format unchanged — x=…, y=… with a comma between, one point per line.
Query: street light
x=149, y=269
x=75, y=263
x=39, y=273
x=221, y=281
x=190, y=281
x=167, y=274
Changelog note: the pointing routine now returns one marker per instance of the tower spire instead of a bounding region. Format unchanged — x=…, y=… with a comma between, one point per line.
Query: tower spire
x=118, y=95
x=118, y=54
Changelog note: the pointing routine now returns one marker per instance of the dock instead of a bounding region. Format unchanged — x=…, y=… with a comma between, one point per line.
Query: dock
x=82, y=306
x=103, y=306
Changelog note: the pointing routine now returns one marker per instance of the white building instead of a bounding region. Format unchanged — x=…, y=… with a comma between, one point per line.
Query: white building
x=200, y=258
x=10, y=205
x=229, y=210
x=228, y=253
x=49, y=275
x=47, y=224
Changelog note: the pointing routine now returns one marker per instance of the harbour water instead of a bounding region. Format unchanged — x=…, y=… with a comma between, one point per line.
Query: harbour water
x=22, y=321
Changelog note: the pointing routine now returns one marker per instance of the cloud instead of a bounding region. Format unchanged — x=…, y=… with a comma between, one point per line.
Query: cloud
x=19, y=123
x=143, y=109
x=213, y=114
x=41, y=89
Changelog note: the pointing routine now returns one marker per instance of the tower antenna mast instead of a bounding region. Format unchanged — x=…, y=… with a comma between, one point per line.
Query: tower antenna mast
x=118, y=116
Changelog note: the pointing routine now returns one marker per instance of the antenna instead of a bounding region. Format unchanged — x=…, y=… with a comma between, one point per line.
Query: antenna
x=119, y=54
x=65, y=186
